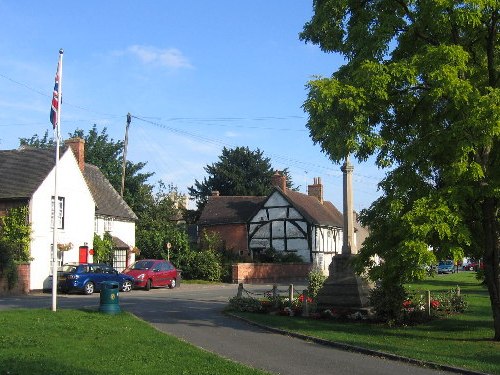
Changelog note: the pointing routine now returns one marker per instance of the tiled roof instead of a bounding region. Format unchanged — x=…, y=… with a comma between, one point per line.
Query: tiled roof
x=229, y=209
x=108, y=201
x=315, y=212
x=22, y=171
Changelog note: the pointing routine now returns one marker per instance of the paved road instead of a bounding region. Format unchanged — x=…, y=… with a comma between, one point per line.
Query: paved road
x=193, y=313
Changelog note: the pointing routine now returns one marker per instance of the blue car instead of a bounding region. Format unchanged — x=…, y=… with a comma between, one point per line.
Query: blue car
x=87, y=277
x=446, y=266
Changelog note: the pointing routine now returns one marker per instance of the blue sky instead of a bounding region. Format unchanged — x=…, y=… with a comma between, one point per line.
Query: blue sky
x=197, y=76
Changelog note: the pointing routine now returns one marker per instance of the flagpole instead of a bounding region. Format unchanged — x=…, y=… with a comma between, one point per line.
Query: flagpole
x=56, y=197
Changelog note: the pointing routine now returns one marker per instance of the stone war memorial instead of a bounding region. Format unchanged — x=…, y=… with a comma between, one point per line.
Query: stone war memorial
x=344, y=289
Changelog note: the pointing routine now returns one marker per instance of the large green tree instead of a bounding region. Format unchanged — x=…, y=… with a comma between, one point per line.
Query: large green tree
x=239, y=171
x=159, y=225
x=419, y=91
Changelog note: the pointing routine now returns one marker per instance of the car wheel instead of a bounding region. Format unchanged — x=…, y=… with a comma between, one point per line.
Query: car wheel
x=127, y=286
x=471, y=268
x=148, y=285
x=88, y=288
x=173, y=284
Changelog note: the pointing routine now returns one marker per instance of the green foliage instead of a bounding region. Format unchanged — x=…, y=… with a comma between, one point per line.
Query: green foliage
x=243, y=304
x=103, y=248
x=15, y=231
x=239, y=171
x=316, y=278
x=396, y=305
x=387, y=302
x=8, y=267
x=157, y=226
x=35, y=141
x=420, y=94
x=205, y=263
x=451, y=302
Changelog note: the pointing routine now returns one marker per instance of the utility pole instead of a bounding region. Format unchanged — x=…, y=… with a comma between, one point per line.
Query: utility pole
x=129, y=120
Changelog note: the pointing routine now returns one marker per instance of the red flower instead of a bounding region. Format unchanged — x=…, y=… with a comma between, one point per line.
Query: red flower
x=301, y=299
x=407, y=303
x=435, y=304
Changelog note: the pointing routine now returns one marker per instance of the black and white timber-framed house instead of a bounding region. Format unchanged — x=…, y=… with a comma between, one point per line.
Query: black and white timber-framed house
x=285, y=220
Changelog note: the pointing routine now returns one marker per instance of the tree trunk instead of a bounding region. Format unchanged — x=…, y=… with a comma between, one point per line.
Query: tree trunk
x=491, y=259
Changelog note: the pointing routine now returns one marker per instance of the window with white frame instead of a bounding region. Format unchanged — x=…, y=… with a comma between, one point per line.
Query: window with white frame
x=60, y=213
x=108, y=224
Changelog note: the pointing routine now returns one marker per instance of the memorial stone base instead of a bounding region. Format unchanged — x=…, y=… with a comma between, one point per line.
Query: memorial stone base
x=343, y=289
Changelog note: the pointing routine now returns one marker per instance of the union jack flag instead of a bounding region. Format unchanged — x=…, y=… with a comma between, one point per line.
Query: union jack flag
x=54, y=109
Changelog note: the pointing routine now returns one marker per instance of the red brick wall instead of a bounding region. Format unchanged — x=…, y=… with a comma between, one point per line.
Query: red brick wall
x=234, y=237
x=270, y=272
x=23, y=282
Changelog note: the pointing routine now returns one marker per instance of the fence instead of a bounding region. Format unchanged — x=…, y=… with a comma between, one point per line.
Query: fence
x=275, y=296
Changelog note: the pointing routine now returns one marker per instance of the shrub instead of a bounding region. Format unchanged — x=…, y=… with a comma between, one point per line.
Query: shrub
x=451, y=302
x=316, y=279
x=8, y=267
x=387, y=302
x=244, y=304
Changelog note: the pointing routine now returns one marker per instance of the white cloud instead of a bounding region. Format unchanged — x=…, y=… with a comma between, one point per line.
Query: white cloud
x=231, y=134
x=170, y=58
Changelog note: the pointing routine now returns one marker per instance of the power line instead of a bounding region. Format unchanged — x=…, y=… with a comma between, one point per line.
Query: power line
x=289, y=161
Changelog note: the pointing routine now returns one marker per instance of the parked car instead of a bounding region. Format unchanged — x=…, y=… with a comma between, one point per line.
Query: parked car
x=149, y=273
x=87, y=277
x=473, y=265
x=446, y=266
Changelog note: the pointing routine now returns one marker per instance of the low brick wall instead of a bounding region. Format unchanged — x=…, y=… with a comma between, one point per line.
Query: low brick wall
x=23, y=282
x=261, y=273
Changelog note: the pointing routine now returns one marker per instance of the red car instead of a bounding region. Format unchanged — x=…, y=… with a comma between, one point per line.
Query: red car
x=149, y=273
x=473, y=265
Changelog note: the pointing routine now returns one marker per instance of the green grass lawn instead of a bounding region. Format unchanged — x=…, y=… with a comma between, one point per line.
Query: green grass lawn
x=462, y=340
x=87, y=342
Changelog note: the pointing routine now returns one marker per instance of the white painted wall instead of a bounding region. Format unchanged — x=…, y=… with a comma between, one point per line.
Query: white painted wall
x=78, y=221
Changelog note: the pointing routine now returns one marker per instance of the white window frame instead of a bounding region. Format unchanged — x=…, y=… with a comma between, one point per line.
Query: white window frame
x=60, y=213
x=108, y=224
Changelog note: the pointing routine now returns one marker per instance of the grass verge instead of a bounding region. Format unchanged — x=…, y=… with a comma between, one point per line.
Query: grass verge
x=88, y=342
x=462, y=340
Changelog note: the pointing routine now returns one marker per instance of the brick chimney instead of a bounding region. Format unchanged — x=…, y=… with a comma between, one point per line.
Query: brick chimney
x=279, y=181
x=78, y=147
x=316, y=189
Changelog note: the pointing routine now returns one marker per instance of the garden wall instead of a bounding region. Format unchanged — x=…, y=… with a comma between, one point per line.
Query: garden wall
x=262, y=273
x=23, y=282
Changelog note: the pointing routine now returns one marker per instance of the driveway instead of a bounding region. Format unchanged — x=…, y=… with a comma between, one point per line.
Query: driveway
x=193, y=313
